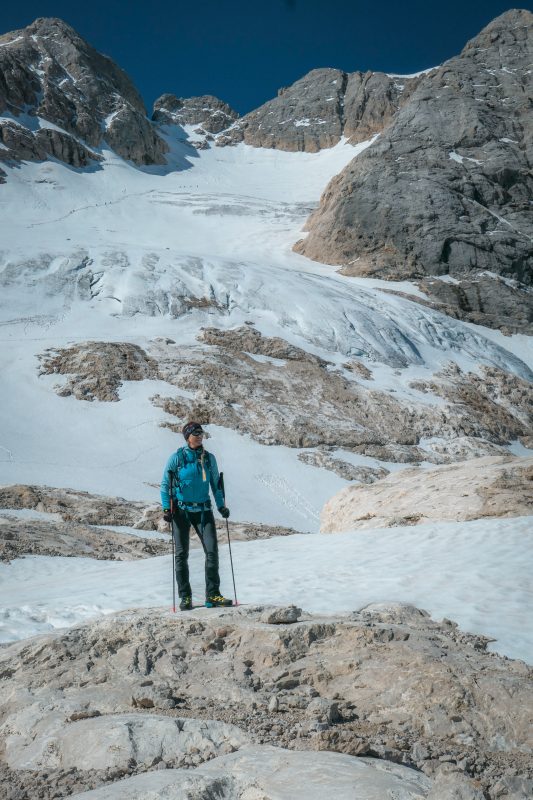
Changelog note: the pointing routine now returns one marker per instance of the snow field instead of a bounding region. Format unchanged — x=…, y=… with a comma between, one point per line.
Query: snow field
x=476, y=573
x=223, y=227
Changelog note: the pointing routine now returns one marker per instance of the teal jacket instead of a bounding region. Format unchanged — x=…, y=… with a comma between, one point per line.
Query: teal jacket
x=193, y=472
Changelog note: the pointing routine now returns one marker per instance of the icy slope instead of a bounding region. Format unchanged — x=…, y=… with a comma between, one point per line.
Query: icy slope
x=129, y=242
x=123, y=254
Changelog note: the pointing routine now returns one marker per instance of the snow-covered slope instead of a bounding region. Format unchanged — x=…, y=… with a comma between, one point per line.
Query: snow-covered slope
x=474, y=573
x=109, y=255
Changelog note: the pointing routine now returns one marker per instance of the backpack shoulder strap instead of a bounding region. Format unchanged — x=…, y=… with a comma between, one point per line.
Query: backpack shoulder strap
x=209, y=460
x=180, y=463
x=181, y=457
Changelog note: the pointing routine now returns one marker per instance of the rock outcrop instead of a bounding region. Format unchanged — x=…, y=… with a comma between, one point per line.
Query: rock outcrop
x=483, y=299
x=78, y=506
x=75, y=534
x=143, y=693
x=320, y=108
x=98, y=368
x=60, y=97
x=447, y=188
x=38, y=537
x=263, y=772
x=494, y=486
x=208, y=112
x=322, y=457
x=260, y=385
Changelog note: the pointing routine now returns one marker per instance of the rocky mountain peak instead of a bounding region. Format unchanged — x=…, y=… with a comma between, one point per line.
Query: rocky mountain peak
x=504, y=26
x=212, y=114
x=46, y=26
x=60, y=97
x=447, y=188
x=320, y=108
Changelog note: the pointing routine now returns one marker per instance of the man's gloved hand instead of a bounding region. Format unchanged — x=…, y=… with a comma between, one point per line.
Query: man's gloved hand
x=167, y=515
x=224, y=512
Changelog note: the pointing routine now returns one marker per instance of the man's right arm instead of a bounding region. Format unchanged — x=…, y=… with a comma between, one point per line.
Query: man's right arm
x=165, y=482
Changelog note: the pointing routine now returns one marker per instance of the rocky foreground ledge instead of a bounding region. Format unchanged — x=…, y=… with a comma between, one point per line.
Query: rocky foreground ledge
x=261, y=702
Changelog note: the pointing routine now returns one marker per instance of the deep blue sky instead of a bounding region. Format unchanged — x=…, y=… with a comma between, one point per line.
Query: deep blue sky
x=244, y=50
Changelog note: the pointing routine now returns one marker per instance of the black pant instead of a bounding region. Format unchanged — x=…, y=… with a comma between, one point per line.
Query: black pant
x=203, y=523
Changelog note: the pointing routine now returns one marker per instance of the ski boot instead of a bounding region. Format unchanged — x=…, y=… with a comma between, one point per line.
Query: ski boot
x=217, y=600
x=186, y=603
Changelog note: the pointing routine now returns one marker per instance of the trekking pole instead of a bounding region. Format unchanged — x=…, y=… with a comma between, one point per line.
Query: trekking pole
x=221, y=487
x=171, y=524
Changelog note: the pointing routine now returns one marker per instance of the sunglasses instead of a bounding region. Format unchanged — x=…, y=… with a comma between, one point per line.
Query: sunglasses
x=197, y=433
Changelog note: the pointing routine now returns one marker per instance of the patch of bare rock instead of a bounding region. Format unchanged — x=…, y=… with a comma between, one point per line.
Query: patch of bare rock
x=482, y=298
x=301, y=401
x=98, y=368
x=280, y=394
x=232, y=698
x=321, y=457
x=212, y=114
x=493, y=486
x=79, y=506
x=19, y=537
x=76, y=534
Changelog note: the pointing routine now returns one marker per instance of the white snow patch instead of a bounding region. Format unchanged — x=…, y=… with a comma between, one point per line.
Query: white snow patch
x=477, y=573
x=277, y=362
x=413, y=74
x=12, y=41
x=453, y=156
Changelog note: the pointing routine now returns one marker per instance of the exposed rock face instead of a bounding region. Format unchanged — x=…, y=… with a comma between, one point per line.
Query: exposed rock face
x=48, y=72
x=500, y=486
x=491, y=403
x=81, y=510
x=263, y=772
x=99, y=368
x=386, y=682
x=273, y=402
x=321, y=107
x=19, y=537
x=247, y=339
x=23, y=144
x=211, y=113
x=261, y=385
x=483, y=299
x=81, y=507
x=350, y=472
x=447, y=187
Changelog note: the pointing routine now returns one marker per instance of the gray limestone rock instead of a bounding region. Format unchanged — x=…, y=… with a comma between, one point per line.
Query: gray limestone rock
x=350, y=472
x=265, y=772
x=98, y=369
x=284, y=615
x=48, y=71
x=482, y=298
x=451, y=784
x=139, y=690
x=19, y=537
x=498, y=486
x=211, y=113
x=315, y=111
x=114, y=741
x=447, y=188
x=261, y=385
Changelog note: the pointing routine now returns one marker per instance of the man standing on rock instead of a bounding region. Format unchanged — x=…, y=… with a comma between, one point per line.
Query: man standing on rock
x=189, y=473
